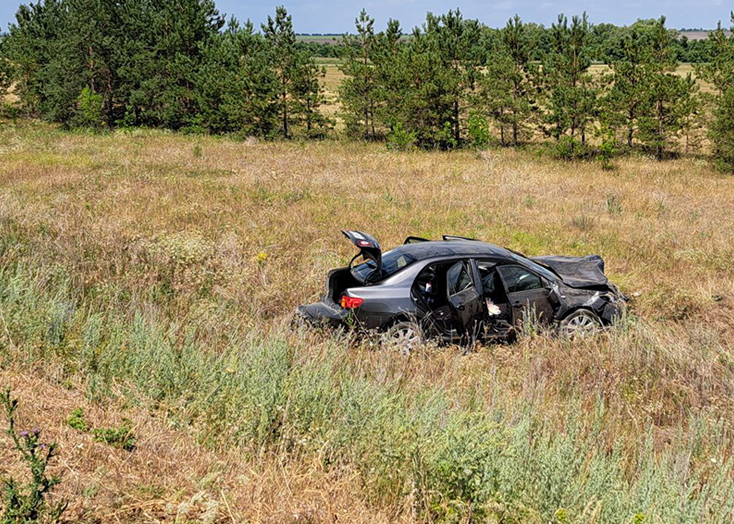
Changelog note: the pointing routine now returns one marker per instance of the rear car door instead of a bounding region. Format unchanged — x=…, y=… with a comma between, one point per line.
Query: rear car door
x=528, y=293
x=464, y=298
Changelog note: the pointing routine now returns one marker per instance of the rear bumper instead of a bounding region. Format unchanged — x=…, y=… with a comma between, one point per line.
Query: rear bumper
x=324, y=312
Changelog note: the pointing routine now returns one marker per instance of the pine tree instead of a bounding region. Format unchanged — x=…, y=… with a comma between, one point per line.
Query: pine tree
x=235, y=89
x=30, y=45
x=454, y=39
x=358, y=91
x=389, y=56
x=719, y=72
x=309, y=96
x=569, y=86
x=179, y=30
x=281, y=39
x=506, y=86
x=6, y=69
x=669, y=94
x=628, y=97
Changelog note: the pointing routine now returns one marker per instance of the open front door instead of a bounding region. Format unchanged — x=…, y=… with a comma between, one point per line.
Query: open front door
x=528, y=294
x=464, y=298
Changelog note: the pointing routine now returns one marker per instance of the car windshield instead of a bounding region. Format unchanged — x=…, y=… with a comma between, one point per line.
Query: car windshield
x=546, y=272
x=392, y=262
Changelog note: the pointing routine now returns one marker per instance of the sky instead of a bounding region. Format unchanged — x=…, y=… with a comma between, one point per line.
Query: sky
x=337, y=16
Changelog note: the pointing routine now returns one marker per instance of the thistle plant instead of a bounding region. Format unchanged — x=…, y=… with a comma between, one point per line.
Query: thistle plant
x=24, y=503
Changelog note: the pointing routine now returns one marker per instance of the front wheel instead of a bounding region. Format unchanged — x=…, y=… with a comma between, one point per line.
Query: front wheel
x=404, y=336
x=580, y=323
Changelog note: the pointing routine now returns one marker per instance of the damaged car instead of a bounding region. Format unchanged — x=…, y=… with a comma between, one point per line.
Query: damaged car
x=461, y=290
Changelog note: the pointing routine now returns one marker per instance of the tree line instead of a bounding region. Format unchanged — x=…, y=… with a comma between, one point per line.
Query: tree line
x=162, y=63
x=452, y=82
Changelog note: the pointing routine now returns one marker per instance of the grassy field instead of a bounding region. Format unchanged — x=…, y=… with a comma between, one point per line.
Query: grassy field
x=151, y=276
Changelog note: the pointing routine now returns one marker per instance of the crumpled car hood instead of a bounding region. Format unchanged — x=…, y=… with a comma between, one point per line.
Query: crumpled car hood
x=578, y=272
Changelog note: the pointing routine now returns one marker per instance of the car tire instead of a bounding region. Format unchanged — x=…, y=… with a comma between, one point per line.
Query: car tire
x=404, y=336
x=579, y=324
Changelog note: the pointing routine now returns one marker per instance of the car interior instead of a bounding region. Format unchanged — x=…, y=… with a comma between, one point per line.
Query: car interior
x=436, y=282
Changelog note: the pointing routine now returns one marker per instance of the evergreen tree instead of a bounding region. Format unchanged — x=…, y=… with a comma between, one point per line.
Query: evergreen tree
x=390, y=60
x=281, y=40
x=6, y=69
x=719, y=72
x=628, y=98
x=309, y=96
x=453, y=39
x=506, y=87
x=569, y=87
x=299, y=89
x=358, y=91
x=235, y=88
x=669, y=94
x=30, y=45
x=179, y=32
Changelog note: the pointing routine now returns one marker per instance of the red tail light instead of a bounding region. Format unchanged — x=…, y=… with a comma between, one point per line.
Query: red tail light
x=351, y=302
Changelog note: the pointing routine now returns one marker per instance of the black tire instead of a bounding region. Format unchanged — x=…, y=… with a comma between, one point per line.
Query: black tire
x=579, y=324
x=404, y=336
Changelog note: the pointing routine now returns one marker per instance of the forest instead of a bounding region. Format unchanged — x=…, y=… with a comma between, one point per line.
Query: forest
x=587, y=90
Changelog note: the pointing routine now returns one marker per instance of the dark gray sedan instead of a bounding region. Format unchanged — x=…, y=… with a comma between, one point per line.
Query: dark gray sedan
x=459, y=290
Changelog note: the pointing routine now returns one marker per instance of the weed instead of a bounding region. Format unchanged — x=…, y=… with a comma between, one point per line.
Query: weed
x=614, y=206
x=120, y=437
x=583, y=222
x=77, y=421
x=28, y=503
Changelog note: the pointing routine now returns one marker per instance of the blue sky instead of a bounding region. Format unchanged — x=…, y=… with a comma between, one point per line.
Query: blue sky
x=312, y=16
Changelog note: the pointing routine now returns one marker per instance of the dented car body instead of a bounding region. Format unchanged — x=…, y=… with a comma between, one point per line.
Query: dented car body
x=461, y=290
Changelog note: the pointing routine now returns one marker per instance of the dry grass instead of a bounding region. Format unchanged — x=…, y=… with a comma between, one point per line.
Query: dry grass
x=228, y=237
x=169, y=476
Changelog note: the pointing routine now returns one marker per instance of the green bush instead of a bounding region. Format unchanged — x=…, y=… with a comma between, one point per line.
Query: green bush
x=478, y=133
x=400, y=139
x=89, y=110
x=569, y=148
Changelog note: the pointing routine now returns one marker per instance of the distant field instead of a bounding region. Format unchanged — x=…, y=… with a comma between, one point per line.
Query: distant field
x=328, y=39
x=691, y=35
x=698, y=35
x=152, y=276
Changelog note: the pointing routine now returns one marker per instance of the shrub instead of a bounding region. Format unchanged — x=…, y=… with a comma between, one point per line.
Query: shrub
x=89, y=110
x=569, y=148
x=607, y=151
x=478, y=132
x=400, y=139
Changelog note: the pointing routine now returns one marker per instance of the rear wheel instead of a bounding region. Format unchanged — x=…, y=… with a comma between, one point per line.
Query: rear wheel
x=404, y=336
x=580, y=323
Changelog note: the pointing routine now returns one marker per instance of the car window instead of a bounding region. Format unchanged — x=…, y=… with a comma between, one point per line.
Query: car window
x=519, y=279
x=488, y=275
x=458, y=278
x=392, y=262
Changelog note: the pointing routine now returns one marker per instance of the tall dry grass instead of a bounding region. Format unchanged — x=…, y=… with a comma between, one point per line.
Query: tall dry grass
x=153, y=274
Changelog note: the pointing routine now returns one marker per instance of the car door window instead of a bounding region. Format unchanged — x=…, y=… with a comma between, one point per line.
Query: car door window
x=458, y=278
x=519, y=279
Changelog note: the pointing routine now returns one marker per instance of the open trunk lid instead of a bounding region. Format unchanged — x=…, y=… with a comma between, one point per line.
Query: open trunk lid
x=369, y=248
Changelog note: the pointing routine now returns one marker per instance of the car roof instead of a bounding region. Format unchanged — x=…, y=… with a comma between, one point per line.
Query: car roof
x=441, y=248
